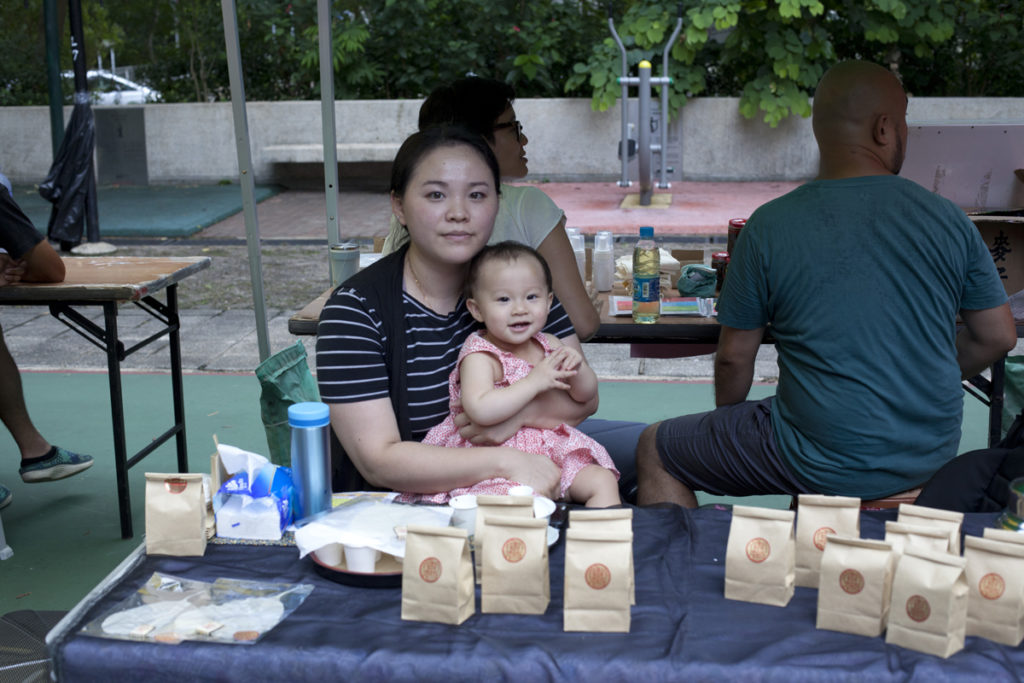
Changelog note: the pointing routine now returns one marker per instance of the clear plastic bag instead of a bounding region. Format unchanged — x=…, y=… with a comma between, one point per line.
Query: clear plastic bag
x=170, y=609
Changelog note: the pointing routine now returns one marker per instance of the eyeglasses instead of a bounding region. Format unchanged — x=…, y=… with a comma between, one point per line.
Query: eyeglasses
x=515, y=125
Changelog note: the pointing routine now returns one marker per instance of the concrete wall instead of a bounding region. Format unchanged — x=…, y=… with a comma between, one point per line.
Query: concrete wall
x=567, y=140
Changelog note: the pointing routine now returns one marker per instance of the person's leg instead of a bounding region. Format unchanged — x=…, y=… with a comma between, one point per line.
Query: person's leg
x=619, y=438
x=654, y=483
x=729, y=451
x=13, y=412
x=595, y=486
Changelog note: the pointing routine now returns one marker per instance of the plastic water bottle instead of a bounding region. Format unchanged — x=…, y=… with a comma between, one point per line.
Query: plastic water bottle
x=580, y=252
x=646, y=278
x=311, y=457
x=604, y=261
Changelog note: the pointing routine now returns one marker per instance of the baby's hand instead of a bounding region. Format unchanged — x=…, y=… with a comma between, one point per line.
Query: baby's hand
x=550, y=373
x=571, y=358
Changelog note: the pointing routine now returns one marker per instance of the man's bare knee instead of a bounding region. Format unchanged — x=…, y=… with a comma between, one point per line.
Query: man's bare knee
x=647, y=456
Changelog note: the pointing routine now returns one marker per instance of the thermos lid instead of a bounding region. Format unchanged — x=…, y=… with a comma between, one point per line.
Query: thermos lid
x=309, y=414
x=647, y=231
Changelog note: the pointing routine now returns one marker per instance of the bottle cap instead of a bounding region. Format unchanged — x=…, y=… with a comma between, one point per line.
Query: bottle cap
x=576, y=242
x=309, y=414
x=737, y=223
x=647, y=231
x=603, y=241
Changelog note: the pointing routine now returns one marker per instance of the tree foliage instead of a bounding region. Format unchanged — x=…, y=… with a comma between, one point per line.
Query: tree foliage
x=769, y=53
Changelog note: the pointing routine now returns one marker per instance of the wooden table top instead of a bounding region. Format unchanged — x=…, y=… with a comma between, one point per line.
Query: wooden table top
x=107, y=278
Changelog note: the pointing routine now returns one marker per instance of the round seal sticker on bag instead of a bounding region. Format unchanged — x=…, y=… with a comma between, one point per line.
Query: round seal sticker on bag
x=175, y=485
x=597, y=576
x=851, y=581
x=513, y=550
x=430, y=569
x=918, y=608
x=991, y=586
x=820, y=536
x=758, y=550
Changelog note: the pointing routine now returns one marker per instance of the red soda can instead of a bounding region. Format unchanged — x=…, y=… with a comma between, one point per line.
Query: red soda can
x=735, y=225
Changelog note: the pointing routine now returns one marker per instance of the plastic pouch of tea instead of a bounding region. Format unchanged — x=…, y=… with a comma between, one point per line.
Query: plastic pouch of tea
x=760, y=556
x=516, y=506
x=613, y=519
x=175, y=514
x=516, y=577
x=902, y=535
x=944, y=519
x=995, y=581
x=855, y=585
x=437, y=575
x=598, y=578
x=818, y=516
x=929, y=602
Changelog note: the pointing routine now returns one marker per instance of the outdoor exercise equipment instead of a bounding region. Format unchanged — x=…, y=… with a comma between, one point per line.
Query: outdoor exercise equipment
x=646, y=125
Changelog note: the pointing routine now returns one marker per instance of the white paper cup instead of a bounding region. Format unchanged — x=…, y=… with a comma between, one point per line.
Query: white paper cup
x=521, y=490
x=361, y=558
x=330, y=554
x=464, y=516
x=543, y=507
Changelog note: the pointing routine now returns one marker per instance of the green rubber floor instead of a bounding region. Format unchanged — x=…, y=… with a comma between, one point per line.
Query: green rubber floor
x=66, y=535
x=153, y=210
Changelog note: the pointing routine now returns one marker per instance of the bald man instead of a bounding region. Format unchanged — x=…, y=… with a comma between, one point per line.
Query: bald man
x=861, y=275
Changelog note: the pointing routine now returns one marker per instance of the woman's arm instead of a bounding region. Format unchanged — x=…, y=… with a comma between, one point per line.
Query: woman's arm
x=369, y=434
x=490, y=405
x=568, y=286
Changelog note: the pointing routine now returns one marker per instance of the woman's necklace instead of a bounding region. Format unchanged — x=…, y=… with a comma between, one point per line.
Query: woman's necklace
x=422, y=292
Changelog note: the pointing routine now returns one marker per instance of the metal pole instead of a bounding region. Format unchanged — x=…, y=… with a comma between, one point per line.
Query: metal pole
x=327, y=118
x=50, y=22
x=643, y=125
x=623, y=102
x=666, y=81
x=252, y=228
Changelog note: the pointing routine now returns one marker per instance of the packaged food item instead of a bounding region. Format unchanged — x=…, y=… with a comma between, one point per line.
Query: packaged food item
x=855, y=585
x=612, y=519
x=175, y=514
x=516, y=576
x=437, y=575
x=760, y=556
x=598, y=579
x=517, y=506
x=995, y=581
x=818, y=516
x=951, y=521
x=1004, y=535
x=902, y=535
x=929, y=602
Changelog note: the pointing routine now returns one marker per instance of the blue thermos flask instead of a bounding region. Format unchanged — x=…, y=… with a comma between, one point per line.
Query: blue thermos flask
x=311, y=457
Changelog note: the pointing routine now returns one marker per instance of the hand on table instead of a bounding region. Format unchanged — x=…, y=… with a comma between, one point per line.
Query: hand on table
x=11, y=271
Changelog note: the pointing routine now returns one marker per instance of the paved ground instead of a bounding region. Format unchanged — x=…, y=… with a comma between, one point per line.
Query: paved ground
x=218, y=319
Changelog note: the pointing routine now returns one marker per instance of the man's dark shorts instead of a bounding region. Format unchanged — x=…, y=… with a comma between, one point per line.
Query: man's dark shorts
x=729, y=451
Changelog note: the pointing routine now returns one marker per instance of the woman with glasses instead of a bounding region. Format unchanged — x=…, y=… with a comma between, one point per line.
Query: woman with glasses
x=525, y=213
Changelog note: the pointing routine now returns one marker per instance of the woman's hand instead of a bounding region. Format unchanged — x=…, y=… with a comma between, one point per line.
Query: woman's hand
x=536, y=471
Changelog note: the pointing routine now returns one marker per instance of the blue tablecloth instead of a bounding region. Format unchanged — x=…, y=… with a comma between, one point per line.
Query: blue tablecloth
x=682, y=628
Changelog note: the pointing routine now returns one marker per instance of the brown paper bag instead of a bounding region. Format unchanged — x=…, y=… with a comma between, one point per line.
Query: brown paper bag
x=817, y=517
x=855, y=585
x=437, y=575
x=516, y=572
x=175, y=514
x=1004, y=535
x=929, y=603
x=902, y=535
x=760, y=556
x=516, y=506
x=598, y=576
x=616, y=519
x=995, y=581
x=944, y=519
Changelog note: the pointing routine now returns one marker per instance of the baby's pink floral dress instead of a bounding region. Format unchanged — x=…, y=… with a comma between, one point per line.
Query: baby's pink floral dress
x=569, y=448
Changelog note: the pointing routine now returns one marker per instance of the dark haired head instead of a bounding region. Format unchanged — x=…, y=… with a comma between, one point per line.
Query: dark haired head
x=419, y=145
x=473, y=102
x=507, y=251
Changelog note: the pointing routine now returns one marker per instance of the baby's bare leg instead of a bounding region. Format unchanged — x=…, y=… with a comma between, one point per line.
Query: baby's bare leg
x=596, y=487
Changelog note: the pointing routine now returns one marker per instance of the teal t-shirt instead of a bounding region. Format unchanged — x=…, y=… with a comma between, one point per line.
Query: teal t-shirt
x=861, y=280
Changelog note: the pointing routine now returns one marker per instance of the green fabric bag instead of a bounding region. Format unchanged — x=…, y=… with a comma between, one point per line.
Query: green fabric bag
x=1013, y=391
x=285, y=379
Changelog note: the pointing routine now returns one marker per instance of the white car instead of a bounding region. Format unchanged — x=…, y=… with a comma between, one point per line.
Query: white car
x=109, y=88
